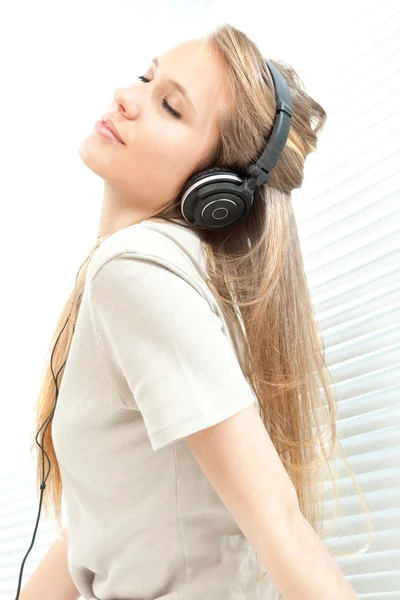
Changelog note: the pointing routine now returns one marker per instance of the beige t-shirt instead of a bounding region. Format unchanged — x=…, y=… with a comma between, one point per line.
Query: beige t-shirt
x=151, y=361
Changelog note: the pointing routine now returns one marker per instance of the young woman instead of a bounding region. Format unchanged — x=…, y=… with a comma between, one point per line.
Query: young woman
x=192, y=416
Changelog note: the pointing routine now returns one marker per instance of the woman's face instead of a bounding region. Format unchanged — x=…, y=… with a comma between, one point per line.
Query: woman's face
x=161, y=151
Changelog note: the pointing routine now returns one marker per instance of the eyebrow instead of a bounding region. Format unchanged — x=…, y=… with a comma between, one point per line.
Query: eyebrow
x=177, y=86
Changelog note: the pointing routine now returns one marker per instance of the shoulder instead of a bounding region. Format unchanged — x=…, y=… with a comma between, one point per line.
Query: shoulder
x=149, y=257
x=157, y=241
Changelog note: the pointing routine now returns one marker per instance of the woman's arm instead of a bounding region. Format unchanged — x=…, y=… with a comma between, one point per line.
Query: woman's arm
x=300, y=565
x=241, y=462
x=52, y=580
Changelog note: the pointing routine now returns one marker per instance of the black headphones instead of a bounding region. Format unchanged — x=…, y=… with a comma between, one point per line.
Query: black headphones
x=211, y=199
x=218, y=197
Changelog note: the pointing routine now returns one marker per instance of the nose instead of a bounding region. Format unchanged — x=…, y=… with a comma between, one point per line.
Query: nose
x=125, y=99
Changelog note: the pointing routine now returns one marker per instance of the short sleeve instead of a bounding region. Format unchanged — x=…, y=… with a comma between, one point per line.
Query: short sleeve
x=179, y=365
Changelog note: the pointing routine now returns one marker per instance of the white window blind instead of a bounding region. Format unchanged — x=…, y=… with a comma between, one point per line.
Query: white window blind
x=350, y=237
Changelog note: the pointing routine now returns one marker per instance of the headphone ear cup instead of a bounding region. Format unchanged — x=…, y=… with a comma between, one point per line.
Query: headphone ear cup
x=209, y=191
x=201, y=174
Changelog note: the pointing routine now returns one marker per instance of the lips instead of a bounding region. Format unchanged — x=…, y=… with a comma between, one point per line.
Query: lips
x=108, y=123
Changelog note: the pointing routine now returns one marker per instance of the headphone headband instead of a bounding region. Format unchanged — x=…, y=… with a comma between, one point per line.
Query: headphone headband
x=218, y=197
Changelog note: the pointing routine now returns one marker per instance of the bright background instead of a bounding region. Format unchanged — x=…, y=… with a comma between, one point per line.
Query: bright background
x=60, y=65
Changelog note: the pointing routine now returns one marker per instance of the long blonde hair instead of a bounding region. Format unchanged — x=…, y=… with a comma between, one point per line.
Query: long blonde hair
x=256, y=271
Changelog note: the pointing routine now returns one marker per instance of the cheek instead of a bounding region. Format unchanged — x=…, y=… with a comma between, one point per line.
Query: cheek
x=171, y=150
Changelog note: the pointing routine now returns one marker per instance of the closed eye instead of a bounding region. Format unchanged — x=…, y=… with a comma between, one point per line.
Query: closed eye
x=164, y=102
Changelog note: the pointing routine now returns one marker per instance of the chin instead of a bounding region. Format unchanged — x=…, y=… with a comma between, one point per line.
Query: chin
x=93, y=153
